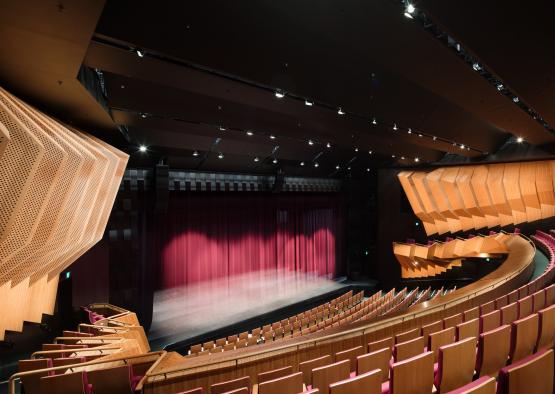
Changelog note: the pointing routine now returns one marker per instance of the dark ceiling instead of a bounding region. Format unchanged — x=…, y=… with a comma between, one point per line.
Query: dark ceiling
x=218, y=63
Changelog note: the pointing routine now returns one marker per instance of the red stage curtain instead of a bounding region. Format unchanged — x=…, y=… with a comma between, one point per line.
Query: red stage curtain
x=214, y=235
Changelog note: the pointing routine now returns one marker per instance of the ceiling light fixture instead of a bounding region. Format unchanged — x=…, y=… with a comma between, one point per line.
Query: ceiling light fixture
x=476, y=67
x=340, y=111
x=356, y=149
x=409, y=10
x=143, y=148
x=275, y=161
x=279, y=94
x=328, y=145
x=395, y=126
x=302, y=163
x=316, y=165
x=374, y=121
x=409, y=131
x=393, y=156
x=250, y=133
x=462, y=146
x=143, y=115
x=195, y=153
x=420, y=135
x=310, y=142
x=222, y=128
x=520, y=140
x=416, y=159
x=140, y=52
x=500, y=86
x=367, y=169
x=272, y=137
x=370, y=152
x=402, y=157
x=434, y=138
x=256, y=159
x=515, y=99
x=337, y=167
x=308, y=103
x=220, y=156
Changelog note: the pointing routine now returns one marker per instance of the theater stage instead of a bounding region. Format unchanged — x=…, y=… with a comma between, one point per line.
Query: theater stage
x=211, y=310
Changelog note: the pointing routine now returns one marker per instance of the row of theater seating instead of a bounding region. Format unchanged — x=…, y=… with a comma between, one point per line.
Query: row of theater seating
x=444, y=355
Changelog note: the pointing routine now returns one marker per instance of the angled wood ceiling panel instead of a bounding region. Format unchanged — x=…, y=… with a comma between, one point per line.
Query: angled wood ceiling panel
x=474, y=197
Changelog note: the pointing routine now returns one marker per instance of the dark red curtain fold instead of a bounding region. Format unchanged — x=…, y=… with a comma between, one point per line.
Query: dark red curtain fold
x=213, y=235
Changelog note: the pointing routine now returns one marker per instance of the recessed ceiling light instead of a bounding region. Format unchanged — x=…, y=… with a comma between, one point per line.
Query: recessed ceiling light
x=220, y=156
x=328, y=145
x=416, y=159
x=368, y=170
x=476, y=67
x=279, y=94
x=256, y=159
x=520, y=140
x=302, y=163
x=409, y=131
x=370, y=152
x=275, y=161
x=140, y=52
x=434, y=138
x=143, y=115
x=356, y=149
x=408, y=15
x=393, y=156
x=374, y=121
x=310, y=142
x=402, y=157
x=195, y=153
x=394, y=126
x=272, y=137
x=462, y=146
x=143, y=148
x=340, y=111
x=222, y=128
x=515, y=99
x=122, y=86
x=250, y=133
x=420, y=135
x=316, y=165
x=500, y=86
x=337, y=167
x=308, y=103
x=349, y=168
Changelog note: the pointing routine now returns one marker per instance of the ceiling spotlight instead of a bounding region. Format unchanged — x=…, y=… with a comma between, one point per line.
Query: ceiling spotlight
x=370, y=152
x=393, y=156
x=409, y=9
x=349, y=168
x=458, y=47
x=316, y=165
x=409, y=131
x=279, y=94
x=256, y=159
x=500, y=86
x=272, y=137
x=250, y=133
x=374, y=121
x=520, y=140
x=476, y=67
x=328, y=145
x=420, y=135
x=308, y=103
x=462, y=146
x=454, y=144
x=395, y=126
x=434, y=138
x=408, y=15
x=302, y=163
x=515, y=99
x=310, y=142
x=195, y=153
x=356, y=149
x=340, y=111
x=222, y=128
x=220, y=156
x=416, y=159
x=143, y=115
x=143, y=148
x=274, y=161
x=140, y=52
x=337, y=167
x=402, y=157
x=368, y=170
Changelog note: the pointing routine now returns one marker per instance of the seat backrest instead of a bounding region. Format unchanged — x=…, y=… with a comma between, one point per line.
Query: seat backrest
x=501, y=301
x=243, y=390
x=487, y=307
x=375, y=360
x=208, y=345
x=111, y=380
x=509, y=313
x=483, y=385
x=31, y=383
x=546, y=333
x=59, y=362
x=196, y=348
x=513, y=296
x=408, y=349
x=351, y=355
x=550, y=295
x=322, y=377
x=407, y=335
x=522, y=292
x=431, y=328
x=198, y=390
x=274, y=374
x=493, y=350
x=453, y=321
x=538, y=300
x=524, y=336
x=367, y=383
x=470, y=314
x=525, y=307
x=468, y=329
x=414, y=375
x=533, y=374
x=440, y=338
x=377, y=345
x=284, y=385
x=489, y=321
x=456, y=364
x=69, y=383
x=306, y=367
x=222, y=387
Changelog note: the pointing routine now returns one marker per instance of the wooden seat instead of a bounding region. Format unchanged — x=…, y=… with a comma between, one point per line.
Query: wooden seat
x=217, y=349
x=196, y=348
x=538, y=301
x=546, y=332
x=274, y=374
x=550, y=295
x=306, y=367
x=198, y=390
x=488, y=307
x=322, y=377
x=229, y=346
x=501, y=302
x=513, y=296
x=232, y=338
x=493, y=350
x=222, y=387
x=525, y=307
x=470, y=314
x=453, y=321
x=351, y=355
x=243, y=390
x=533, y=374
x=407, y=335
x=456, y=364
x=524, y=336
x=490, y=321
x=414, y=375
x=69, y=383
x=290, y=384
x=377, y=345
x=483, y=385
x=375, y=360
x=522, y=292
x=468, y=329
x=111, y=380
x=408, y=349
x=431, y=328
x=208, y=345
x=509, y=313
x=221, y=342
x=60, y=362
x=367, y=383
x=31, y=383
x=440, y=338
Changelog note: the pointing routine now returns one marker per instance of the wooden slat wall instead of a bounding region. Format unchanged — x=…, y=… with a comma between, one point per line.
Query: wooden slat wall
x=474, y=197
x=57, y=188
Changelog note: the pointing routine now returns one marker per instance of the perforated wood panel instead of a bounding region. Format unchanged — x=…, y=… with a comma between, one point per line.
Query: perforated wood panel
x=474, y=197
x=57, y=188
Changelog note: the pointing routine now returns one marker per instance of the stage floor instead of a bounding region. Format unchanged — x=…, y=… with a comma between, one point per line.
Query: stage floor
x=184, y=313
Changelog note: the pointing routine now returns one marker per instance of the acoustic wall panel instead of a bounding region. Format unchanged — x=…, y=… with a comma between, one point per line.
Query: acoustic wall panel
x=57, y=188
x=477, y=196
